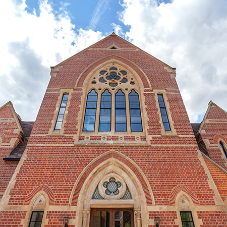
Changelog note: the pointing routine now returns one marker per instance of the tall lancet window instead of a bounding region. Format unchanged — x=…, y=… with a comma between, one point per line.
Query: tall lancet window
x=90, y=112
x=105, y=112
x=135, y=115
x=223, y=148
x=120, y=112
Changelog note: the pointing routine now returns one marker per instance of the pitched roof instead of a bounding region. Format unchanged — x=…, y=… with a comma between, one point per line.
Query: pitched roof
x=14, y=115
x=210, y=104
x=18, y=151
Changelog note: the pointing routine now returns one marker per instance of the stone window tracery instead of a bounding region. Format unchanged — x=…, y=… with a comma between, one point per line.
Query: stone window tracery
x=116, y=106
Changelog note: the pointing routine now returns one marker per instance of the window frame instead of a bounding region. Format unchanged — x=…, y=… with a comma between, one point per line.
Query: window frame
x=187, y=221
x=172, y=131
x=30, y=221
x=223, y=148
x=52, y=130
x=113, y=114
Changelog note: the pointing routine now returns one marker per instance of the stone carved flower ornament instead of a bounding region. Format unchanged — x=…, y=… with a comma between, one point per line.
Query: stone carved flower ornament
x=112, y=186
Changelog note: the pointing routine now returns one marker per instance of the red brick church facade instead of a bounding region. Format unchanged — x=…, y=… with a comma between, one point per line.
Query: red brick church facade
x=112, y=145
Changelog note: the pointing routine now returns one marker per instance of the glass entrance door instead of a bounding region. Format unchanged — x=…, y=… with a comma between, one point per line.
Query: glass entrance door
x=111, y=218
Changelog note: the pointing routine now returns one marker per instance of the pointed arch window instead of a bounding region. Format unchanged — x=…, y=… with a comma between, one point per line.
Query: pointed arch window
x=135, y=115
x=113, y=103
x=90, y=112
x=105, y=112
x=120, y=112
x=223, y=148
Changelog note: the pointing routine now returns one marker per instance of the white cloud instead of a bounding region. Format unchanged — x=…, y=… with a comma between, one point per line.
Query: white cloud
x=29, y=45
x=99, y=10
x=190, y=35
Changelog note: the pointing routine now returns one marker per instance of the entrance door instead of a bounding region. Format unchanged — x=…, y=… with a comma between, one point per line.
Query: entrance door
x=111, y=218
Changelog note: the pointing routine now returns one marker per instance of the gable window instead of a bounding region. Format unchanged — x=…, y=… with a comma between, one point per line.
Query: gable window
x=223, y=148
x=186, y=219
x=164, y=115
x=61, y=112
x=113, y=102
x=36, y=219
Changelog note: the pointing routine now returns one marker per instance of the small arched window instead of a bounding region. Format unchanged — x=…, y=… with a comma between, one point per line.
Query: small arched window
x=113, y=103
x=223, y=148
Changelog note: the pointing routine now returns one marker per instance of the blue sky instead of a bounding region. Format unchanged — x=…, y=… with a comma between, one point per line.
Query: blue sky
x=190, y=35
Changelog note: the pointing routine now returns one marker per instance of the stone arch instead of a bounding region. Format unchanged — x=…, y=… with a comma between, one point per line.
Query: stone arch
x=218, y=138
x=43, y=188
x=137, y=71
x=184, y=202
x=182, y=188
x=39, y=202
x=111, y=162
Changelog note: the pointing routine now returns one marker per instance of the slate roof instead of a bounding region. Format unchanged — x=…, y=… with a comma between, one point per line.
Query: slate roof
x=17, y=151
x=201, y=144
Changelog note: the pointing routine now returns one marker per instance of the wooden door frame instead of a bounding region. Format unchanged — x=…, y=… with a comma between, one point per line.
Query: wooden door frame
x=112, y=212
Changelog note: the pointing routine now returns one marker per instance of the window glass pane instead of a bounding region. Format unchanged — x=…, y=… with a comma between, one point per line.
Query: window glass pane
x=134, y=98
x=89, y=119
x=60, y=117
x=58, y=125
x=91, y=105
x=63, y=103
x=106, y=98
x=120, y=119
x=37, y=224
x=163, y=111
x=186, y=218
x=160, y=98
x=89, y=127
x=65, y=97
x=62, y=111
x=120, y=127
x=135, y=112
x=104, y=127
x=32, y=224
x=134, y=105
x=106, y=105
x=120, y=112
x=166, y=126
x=222, y=147
x=162, y=104
x=104, y=119
x=135, y=119
x=92, y=98
x=105, y=112
x=165, y=119
x=136, y=127
x=120, y=105
x=90, y=112
x=120, y=98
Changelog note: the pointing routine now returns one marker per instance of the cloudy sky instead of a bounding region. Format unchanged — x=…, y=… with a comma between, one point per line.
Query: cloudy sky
x=190, y=35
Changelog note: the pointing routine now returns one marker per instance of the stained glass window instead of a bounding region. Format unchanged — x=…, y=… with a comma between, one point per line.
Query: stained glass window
x=120, y=112
x=105, y=112
x=135, y=115
x=90, y=112
x=61, y=112
x=165, y=119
